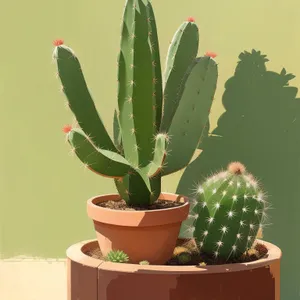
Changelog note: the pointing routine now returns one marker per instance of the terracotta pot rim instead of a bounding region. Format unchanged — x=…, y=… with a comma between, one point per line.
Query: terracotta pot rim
x=139, y=218
x=75, y=252
x=166, y=196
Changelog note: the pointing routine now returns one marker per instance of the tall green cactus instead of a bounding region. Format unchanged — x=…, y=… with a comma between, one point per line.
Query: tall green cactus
x=157, y=127
x=228, y=212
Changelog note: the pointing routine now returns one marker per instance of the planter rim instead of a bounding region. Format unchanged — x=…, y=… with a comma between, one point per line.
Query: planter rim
x=75, y=253
x=138, y=218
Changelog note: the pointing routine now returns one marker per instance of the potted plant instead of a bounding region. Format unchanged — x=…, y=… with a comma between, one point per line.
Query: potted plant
x=158, y=125
x=224, y=259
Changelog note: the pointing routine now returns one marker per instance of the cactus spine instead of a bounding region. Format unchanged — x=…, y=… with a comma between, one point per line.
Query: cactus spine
x=228, y=213
x=156, y=127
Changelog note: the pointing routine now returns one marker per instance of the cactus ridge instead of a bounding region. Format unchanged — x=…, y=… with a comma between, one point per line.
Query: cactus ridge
x=229, y=210
x=135, y=60
x=156, y=65
x=104, y=162
x=191, y=117
x=159, y=120
x=76, y=90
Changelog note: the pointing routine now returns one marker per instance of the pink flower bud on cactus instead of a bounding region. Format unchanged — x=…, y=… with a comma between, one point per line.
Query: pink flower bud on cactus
x=58, y=42
x=67, y=128
x=236, y=168
x=191, y=19
x=210, y=54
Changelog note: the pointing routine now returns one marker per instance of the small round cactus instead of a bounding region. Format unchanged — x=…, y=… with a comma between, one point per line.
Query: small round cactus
x=233, y=205
x=144, y=262
x=184, y=258
x=250, y=255
x=117, y=256
x=182, y=255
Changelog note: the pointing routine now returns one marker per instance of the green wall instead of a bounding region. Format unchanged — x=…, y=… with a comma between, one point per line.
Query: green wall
x=43, y=188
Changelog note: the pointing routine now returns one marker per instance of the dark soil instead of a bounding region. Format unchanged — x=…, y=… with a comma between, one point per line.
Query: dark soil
x=159, y=204
x=95, y=253
x=188, y=247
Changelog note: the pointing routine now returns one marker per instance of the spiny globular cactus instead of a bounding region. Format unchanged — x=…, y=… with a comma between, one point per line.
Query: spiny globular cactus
x=117, y=256
x=159, y=121
x=228, y=212
x=144, y=262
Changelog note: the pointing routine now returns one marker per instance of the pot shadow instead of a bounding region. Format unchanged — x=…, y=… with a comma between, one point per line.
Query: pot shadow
x=261, y=129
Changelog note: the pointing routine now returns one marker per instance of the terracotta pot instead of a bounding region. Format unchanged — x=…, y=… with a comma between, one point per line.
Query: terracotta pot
x=94, y=279
x=142, y=235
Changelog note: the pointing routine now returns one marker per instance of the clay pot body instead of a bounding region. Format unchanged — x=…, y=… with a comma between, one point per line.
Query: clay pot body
x=143, y=235
x=94, y=279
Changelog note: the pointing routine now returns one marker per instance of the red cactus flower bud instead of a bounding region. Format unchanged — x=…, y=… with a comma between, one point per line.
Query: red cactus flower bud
x=191, y=19
x=210, y=54
x=58, y=42
x=67, y=128
x=236, y=168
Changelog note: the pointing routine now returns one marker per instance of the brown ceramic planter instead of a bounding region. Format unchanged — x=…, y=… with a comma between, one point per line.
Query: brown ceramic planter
x=94, y=279
x=142, y=235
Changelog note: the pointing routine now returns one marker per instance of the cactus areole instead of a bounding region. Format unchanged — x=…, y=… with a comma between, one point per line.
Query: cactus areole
x=160, y=117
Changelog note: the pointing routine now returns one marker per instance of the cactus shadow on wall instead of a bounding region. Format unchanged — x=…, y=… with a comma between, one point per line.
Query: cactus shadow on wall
x=261, y=129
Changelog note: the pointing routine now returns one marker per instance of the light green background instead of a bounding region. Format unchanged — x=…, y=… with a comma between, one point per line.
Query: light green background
x=43, y=189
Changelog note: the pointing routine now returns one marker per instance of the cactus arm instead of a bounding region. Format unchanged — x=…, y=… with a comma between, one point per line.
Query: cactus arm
x=154, y=44
x=117, y=132
x=191, y=117
x=79, y=98
x=125, y=100
x=182, y=52
x=101, y=161
x=154, y=167
x=136, y=85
